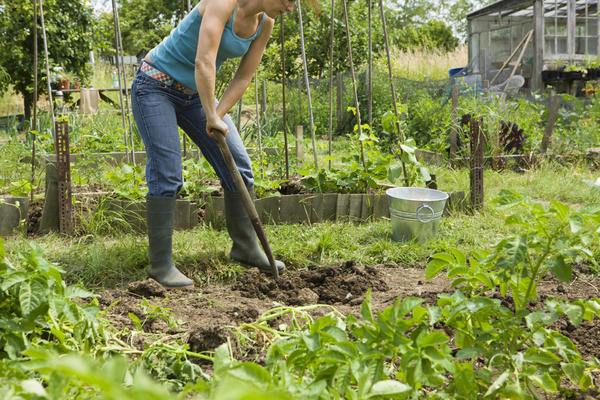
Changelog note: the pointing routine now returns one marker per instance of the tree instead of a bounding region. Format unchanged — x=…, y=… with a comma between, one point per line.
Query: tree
x=456, y=12
x=69, y=43
x=144, y=23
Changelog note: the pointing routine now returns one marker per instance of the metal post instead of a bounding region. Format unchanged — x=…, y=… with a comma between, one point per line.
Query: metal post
x=476, y=163
x=63, y=170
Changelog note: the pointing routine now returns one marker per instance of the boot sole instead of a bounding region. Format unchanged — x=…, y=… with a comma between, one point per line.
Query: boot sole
x=173, y=287
x=177, y=287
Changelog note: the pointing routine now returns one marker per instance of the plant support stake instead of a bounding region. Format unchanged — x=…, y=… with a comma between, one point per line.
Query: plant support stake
x=47, y=65
x=392, y=88
x=310, y=110
x=285, y=138
x=258, y=130
x=121, y=70
x=332, y=36
x=35, y=96
x=356, y=104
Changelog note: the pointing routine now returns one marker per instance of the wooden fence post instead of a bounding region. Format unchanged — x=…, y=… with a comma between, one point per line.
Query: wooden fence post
x=554, y=102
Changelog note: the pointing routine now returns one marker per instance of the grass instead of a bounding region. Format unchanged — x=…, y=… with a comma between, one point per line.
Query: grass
x=97, y=260
x=424, y=64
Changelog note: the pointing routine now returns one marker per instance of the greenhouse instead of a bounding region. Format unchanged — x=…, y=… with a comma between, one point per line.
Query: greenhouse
x=564, y=33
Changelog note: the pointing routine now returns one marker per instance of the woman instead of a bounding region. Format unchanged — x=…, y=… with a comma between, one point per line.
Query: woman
x=175, y=86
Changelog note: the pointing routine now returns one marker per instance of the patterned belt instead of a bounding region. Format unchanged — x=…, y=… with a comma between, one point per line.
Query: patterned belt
x=160, y=76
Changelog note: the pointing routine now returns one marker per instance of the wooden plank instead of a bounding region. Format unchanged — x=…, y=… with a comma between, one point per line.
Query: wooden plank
x=342, y=206
x=181, y=219
x=382, y=206
x=292, y=209
x=355, y=206
x=268, y=209
x=329, y=206
x=214, y=212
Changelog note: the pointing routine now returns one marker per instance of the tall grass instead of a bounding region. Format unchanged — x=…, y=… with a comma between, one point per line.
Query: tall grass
x=422, y=64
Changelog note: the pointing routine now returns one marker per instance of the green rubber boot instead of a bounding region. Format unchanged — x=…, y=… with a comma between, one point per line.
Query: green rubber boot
x=246, y=249
x=160, y=212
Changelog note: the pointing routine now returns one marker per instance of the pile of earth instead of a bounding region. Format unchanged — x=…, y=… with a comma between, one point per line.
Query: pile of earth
x=205, y=315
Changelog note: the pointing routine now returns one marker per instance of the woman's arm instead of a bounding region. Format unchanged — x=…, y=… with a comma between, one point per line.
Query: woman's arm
x=246, y=69
x=215, y=15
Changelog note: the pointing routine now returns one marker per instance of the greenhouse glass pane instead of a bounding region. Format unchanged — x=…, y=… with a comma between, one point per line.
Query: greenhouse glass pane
x=580, y=26
x=549, y=28
x=592, y=27
x=561, y=26
x=561, y=45
x=549, y=46
x=592, y=46
x=579, y=45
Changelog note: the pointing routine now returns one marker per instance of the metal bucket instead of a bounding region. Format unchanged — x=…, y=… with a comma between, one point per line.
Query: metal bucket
x=415, y=212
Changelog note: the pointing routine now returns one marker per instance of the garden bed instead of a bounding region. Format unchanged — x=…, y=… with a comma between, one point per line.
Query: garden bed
x=207, y=314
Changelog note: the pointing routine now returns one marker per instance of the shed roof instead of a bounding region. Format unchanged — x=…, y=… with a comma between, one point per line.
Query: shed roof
x=498, y=6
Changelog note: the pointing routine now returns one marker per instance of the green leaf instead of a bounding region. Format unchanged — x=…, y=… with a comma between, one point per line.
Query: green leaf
x=576, y=222
x=575, y=313
x=508, y=198
x=433, y=339
x=312, y=341
x=31, y=386
x=469, y=353
x=222, y=360
x=545, y=381
x=251, y=373
x=12, y=279
x=573, y=371
x=498, y=383
x=394, y=173
x=434, y=268
x=136, y=321
x=365, y=309
x=562, y=270
x=77, y=292
x=438, y=357
x=540, y=356
x=26, y=298
x=388, y=388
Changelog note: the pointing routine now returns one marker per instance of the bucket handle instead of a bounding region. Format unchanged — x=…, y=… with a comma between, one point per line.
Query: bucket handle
x=425, y=218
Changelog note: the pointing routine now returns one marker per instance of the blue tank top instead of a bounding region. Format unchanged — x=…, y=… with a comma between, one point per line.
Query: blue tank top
x=176, y=54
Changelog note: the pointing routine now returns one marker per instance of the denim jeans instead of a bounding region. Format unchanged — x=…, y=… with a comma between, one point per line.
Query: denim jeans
x=158, y=110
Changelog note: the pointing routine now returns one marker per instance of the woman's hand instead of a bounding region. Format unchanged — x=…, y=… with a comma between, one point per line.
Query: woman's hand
x=216, y=127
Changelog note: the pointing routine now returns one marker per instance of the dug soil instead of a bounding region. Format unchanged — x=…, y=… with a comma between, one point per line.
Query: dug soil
x=205, y=316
